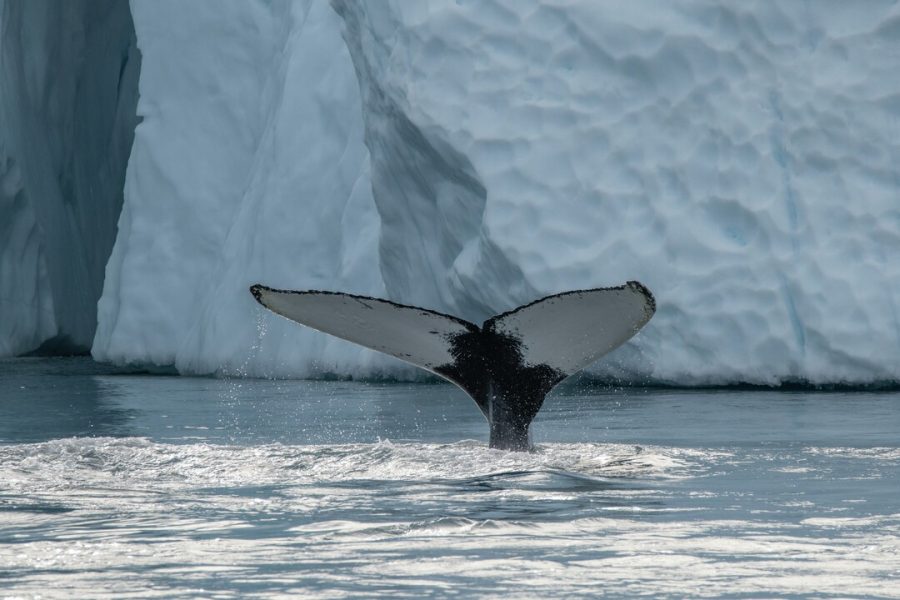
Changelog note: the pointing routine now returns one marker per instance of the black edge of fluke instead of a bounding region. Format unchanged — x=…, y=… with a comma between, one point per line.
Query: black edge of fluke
x=635, y=285
x=487, y=364
x=258, y=288
x=651, y=300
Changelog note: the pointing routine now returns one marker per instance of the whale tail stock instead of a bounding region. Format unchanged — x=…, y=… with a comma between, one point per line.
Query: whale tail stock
x=508, y=365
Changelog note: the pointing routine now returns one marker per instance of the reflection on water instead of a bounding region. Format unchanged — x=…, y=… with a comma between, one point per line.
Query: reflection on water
x=127, y=484
x=44, y=399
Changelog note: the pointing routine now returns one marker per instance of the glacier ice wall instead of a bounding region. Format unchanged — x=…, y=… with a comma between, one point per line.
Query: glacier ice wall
x=68, y=92
x=739, y=159
x=249, y=165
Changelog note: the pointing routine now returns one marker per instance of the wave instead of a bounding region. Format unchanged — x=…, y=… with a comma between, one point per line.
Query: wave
x=77, y=460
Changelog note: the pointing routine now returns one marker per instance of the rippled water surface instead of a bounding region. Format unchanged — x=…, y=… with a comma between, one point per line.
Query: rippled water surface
x=124, y=485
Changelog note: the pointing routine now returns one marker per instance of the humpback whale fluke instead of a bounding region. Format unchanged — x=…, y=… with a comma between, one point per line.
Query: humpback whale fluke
x=508, y=365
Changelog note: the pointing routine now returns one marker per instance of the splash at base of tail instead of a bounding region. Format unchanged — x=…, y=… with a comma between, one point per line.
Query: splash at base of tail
x=508, y=365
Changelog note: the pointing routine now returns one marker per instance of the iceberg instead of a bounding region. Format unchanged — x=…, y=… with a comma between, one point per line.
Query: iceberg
x=470, y=157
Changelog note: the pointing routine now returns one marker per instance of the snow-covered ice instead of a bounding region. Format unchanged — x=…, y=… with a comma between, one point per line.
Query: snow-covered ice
x=738, y=159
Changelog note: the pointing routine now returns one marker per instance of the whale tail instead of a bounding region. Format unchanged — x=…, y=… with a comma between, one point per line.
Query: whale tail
x=507, y=365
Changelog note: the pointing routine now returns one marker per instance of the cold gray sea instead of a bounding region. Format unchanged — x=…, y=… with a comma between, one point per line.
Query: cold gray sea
x=116, y=484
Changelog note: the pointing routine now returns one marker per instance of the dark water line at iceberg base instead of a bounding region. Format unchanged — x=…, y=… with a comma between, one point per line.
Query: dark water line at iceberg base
x=80, y=363
x=588, y=384
x=578, y=383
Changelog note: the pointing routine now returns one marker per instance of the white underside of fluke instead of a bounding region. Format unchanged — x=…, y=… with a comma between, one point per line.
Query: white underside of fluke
x=566, y=332
x=415, y=335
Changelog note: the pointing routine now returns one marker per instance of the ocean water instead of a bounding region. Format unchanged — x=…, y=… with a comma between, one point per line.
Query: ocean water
x=118, y=484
